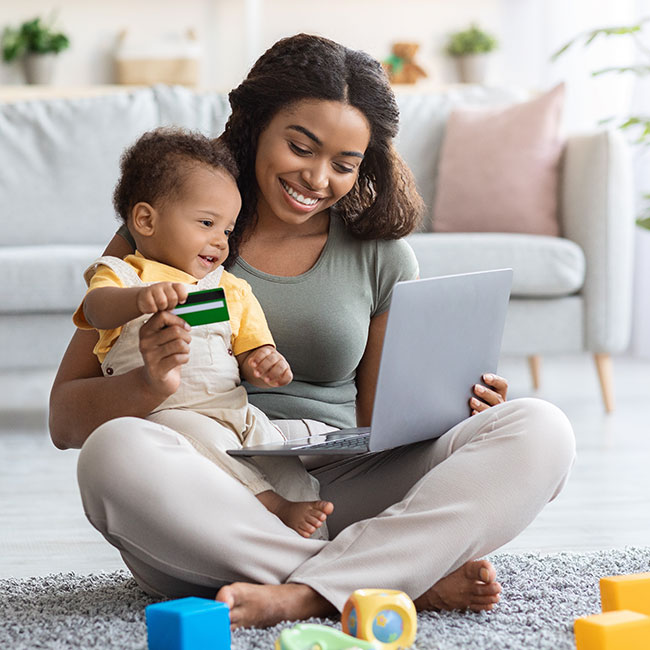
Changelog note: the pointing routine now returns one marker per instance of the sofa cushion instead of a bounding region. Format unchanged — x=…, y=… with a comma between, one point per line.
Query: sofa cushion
x=59, y=161
x=206, y=112
x=499, y=168
x=423, y=116
x=544, y=267
x=60, y=158
x=40, y=279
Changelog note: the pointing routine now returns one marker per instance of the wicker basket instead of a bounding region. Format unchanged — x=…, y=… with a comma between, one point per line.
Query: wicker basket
x=172, y=62
x=153, y=71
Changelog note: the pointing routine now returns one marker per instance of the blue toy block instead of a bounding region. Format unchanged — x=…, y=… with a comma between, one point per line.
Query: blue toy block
x=188, y=624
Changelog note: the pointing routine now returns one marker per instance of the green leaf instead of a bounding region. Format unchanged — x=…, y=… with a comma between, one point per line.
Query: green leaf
x=471, y=41
x=32, y=36
x=644, y=222
x=562, y=50
x=640, y=70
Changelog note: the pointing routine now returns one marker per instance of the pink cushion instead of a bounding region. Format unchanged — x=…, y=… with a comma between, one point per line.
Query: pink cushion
x=498, y=169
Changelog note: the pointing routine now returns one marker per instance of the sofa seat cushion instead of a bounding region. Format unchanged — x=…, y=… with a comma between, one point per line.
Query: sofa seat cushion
x=544, y=267
x=40, y=279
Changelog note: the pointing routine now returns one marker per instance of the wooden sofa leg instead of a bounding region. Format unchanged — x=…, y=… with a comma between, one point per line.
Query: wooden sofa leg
x=535, y=363
x=605, y=375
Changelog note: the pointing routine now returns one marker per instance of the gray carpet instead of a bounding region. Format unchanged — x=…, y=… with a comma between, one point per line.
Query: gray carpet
x=542, y=595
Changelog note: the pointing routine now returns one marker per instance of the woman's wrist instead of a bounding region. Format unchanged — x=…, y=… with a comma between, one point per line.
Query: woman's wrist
x=149, y=392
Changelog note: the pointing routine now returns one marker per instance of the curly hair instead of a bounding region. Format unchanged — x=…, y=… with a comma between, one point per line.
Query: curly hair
x=384, y=202
x=155, y=168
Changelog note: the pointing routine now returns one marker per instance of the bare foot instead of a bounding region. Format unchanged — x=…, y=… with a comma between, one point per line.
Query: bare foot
x=266, y=605
x=472, y=586
x=302, y=516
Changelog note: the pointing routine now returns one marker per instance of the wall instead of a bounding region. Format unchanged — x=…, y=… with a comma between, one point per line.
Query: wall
x=234, y=32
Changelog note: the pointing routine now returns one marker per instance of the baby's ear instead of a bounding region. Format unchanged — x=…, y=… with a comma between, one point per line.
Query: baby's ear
x=143, y=219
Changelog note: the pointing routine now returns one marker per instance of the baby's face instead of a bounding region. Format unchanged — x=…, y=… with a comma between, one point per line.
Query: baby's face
x=192, y=231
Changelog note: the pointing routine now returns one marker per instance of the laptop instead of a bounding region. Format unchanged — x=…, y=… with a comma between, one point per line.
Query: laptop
x=442, y=335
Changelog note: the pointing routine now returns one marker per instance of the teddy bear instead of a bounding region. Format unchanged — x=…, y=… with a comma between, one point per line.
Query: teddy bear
x=400, y=65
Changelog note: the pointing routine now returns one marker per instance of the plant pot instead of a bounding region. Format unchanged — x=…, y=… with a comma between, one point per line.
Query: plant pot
x=472, y=68
x=39, y=68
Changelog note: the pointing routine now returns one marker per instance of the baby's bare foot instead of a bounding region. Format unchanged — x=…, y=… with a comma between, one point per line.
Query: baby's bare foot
x=305, y=516
x=302, y=516
x=265, y=605
x=472, y=586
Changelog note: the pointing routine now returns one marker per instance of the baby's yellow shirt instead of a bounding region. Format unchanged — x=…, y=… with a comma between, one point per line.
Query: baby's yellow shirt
x=247, y=320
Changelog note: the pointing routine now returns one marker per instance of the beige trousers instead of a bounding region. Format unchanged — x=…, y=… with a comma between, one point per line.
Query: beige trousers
x=403, y=518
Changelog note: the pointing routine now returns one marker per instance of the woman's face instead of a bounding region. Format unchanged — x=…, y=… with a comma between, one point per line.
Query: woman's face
x=308, y=157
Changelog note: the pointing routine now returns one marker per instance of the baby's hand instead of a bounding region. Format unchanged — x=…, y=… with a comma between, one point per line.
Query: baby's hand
x=270, y=366
x=161, y=297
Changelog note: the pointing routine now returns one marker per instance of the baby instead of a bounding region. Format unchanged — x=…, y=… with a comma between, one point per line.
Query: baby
x=178, y=196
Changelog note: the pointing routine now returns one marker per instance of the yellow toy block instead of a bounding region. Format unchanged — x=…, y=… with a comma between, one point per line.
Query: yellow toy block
x=385, y=617
x=620, y=630
x=626, y=592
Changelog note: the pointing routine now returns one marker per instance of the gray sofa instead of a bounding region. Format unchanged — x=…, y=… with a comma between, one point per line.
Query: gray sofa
x=59, y=163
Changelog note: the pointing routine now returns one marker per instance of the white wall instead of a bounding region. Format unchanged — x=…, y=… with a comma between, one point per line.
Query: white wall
x=234, y=32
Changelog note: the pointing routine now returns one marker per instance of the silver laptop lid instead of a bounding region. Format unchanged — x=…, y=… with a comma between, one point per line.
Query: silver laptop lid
x=424, y=386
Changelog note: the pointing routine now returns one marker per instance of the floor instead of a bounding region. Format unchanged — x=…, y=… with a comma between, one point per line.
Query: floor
x=606, y=503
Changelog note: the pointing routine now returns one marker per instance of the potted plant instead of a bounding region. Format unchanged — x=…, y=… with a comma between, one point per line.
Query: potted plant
x=36, y=45
x=639, y=126
x=470, y=48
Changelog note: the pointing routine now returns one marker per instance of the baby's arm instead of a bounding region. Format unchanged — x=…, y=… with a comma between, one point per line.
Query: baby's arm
x=264, y=367
x=106, y=308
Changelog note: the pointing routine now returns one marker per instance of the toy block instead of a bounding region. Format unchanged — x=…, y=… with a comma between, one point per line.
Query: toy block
x=620, y=630
x=385, y=617
x=188, y=624
x=626, y=592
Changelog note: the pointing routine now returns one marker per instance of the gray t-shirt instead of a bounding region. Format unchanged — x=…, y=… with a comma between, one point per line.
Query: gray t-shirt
x=320, y=322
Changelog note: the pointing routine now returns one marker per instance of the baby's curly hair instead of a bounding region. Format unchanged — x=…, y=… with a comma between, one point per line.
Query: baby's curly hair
x=154, y=169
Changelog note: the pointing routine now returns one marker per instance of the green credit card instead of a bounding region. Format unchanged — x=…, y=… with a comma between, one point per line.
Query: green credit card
x=203, y=307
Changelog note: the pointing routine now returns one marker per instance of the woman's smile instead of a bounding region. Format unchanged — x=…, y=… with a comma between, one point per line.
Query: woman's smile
x=300, y=198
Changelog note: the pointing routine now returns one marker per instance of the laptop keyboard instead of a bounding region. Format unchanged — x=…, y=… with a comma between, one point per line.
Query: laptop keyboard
x=352, y=442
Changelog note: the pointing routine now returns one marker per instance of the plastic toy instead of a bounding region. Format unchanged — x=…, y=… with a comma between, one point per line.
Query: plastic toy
x=626, y=592
x=318, y=637
x=621, y=630
x=385, y=617
x=188, y=624
x=624, y=624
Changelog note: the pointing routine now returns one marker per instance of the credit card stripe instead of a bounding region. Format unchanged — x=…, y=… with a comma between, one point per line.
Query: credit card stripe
x=208, y=295
x=205, y=306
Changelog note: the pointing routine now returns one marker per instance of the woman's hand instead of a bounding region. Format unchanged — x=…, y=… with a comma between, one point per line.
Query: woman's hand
x=165, y=347
x=485, y=397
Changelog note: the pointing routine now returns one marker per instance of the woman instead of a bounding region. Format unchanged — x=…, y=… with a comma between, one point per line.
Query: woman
x=325, y=201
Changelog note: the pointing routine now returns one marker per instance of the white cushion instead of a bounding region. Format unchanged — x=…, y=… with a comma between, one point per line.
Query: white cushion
x=60, y=158
x=544, y=267
x=60, y=162
x=39, y=279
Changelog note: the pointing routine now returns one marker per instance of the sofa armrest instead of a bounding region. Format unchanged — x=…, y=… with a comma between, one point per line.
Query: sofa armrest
x=597, y=212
